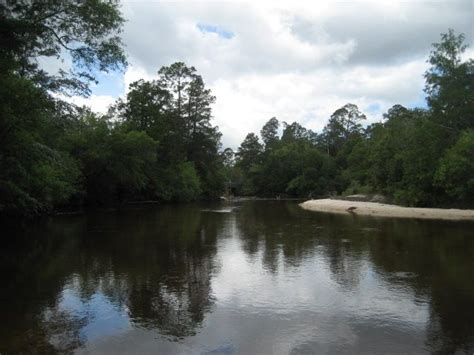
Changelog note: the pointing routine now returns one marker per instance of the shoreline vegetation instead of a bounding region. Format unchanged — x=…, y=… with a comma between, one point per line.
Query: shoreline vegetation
x=413, y=156
x=376, y=209
x=159, y=142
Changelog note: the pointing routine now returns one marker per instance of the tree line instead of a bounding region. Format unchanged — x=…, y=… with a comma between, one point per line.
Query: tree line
x=158, y=143
x=415, y=157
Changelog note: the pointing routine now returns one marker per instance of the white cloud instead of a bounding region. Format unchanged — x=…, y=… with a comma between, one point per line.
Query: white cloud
x=247, y=102
x=135, y=73
x=298, y=61
x=98, y=103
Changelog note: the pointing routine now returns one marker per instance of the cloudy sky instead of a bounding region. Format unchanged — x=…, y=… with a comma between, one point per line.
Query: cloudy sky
x=297, y=61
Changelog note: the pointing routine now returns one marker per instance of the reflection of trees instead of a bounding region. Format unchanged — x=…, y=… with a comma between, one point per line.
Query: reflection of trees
x=175, y=312
x=344, y=248
x=433, y=258
x=439, y=255
x=32, y=275
x=155, y=263
x=164, y=273
x=345, y=264
x=272, y=228
x=176, y=295
x=52, y=331
x=285, y=227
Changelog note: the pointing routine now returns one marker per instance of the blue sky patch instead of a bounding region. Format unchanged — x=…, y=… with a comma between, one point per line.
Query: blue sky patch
x=420, y=102
x=373, y=108
x=221, y=32
x=109, y=84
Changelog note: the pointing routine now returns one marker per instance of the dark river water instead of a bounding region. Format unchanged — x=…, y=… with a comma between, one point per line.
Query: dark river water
x=248, y=277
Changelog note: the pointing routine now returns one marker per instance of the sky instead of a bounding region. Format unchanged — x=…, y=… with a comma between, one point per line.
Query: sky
x=296, y=61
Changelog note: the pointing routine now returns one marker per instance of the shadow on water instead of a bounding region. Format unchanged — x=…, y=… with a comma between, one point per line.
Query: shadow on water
x=68, y=281
x=155, y=264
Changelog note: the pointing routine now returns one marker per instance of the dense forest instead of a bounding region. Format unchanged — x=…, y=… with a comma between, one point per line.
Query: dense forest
x=415, y=157
x=158, y=142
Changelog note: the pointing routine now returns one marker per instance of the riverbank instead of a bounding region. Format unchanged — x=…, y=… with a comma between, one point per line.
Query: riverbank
x=384, y=210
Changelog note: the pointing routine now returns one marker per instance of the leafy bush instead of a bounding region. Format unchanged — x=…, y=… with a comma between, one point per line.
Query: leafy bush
x=455, y=173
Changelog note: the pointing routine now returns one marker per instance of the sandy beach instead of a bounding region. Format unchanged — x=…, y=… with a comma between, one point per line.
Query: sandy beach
x=384, y=210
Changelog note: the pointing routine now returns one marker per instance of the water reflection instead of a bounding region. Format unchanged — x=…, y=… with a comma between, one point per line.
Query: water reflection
x=264, y=276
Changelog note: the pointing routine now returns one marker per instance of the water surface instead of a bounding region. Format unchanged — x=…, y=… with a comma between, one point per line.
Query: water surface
x=236, y=278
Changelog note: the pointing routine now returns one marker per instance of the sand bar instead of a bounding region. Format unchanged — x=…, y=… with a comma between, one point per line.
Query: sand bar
x=384, y=210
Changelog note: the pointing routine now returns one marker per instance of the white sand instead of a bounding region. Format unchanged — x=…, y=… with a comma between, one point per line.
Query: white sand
x=384, y=210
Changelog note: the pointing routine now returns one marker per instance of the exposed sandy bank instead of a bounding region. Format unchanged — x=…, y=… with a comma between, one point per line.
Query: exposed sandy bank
x=384, y=210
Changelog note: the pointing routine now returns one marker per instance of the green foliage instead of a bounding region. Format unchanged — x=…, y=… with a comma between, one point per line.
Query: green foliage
x=455, y=173
x=186, y=185
x=294, y=132
x=176, y=111
x=356, y=188
x=269, y=133
x=416, y=157
x=36, y=173
x=343, y=124
x=117, y=164
x=292, y=165
x=403, y=155
x=177, y=183
x=158, y=142
x=41, y=179
x=84, y=30
x=450, y=84
x=145, y=108
x=249, y=152
x=315, y=176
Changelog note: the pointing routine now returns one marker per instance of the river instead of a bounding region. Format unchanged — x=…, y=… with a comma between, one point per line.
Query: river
x=247, y=277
